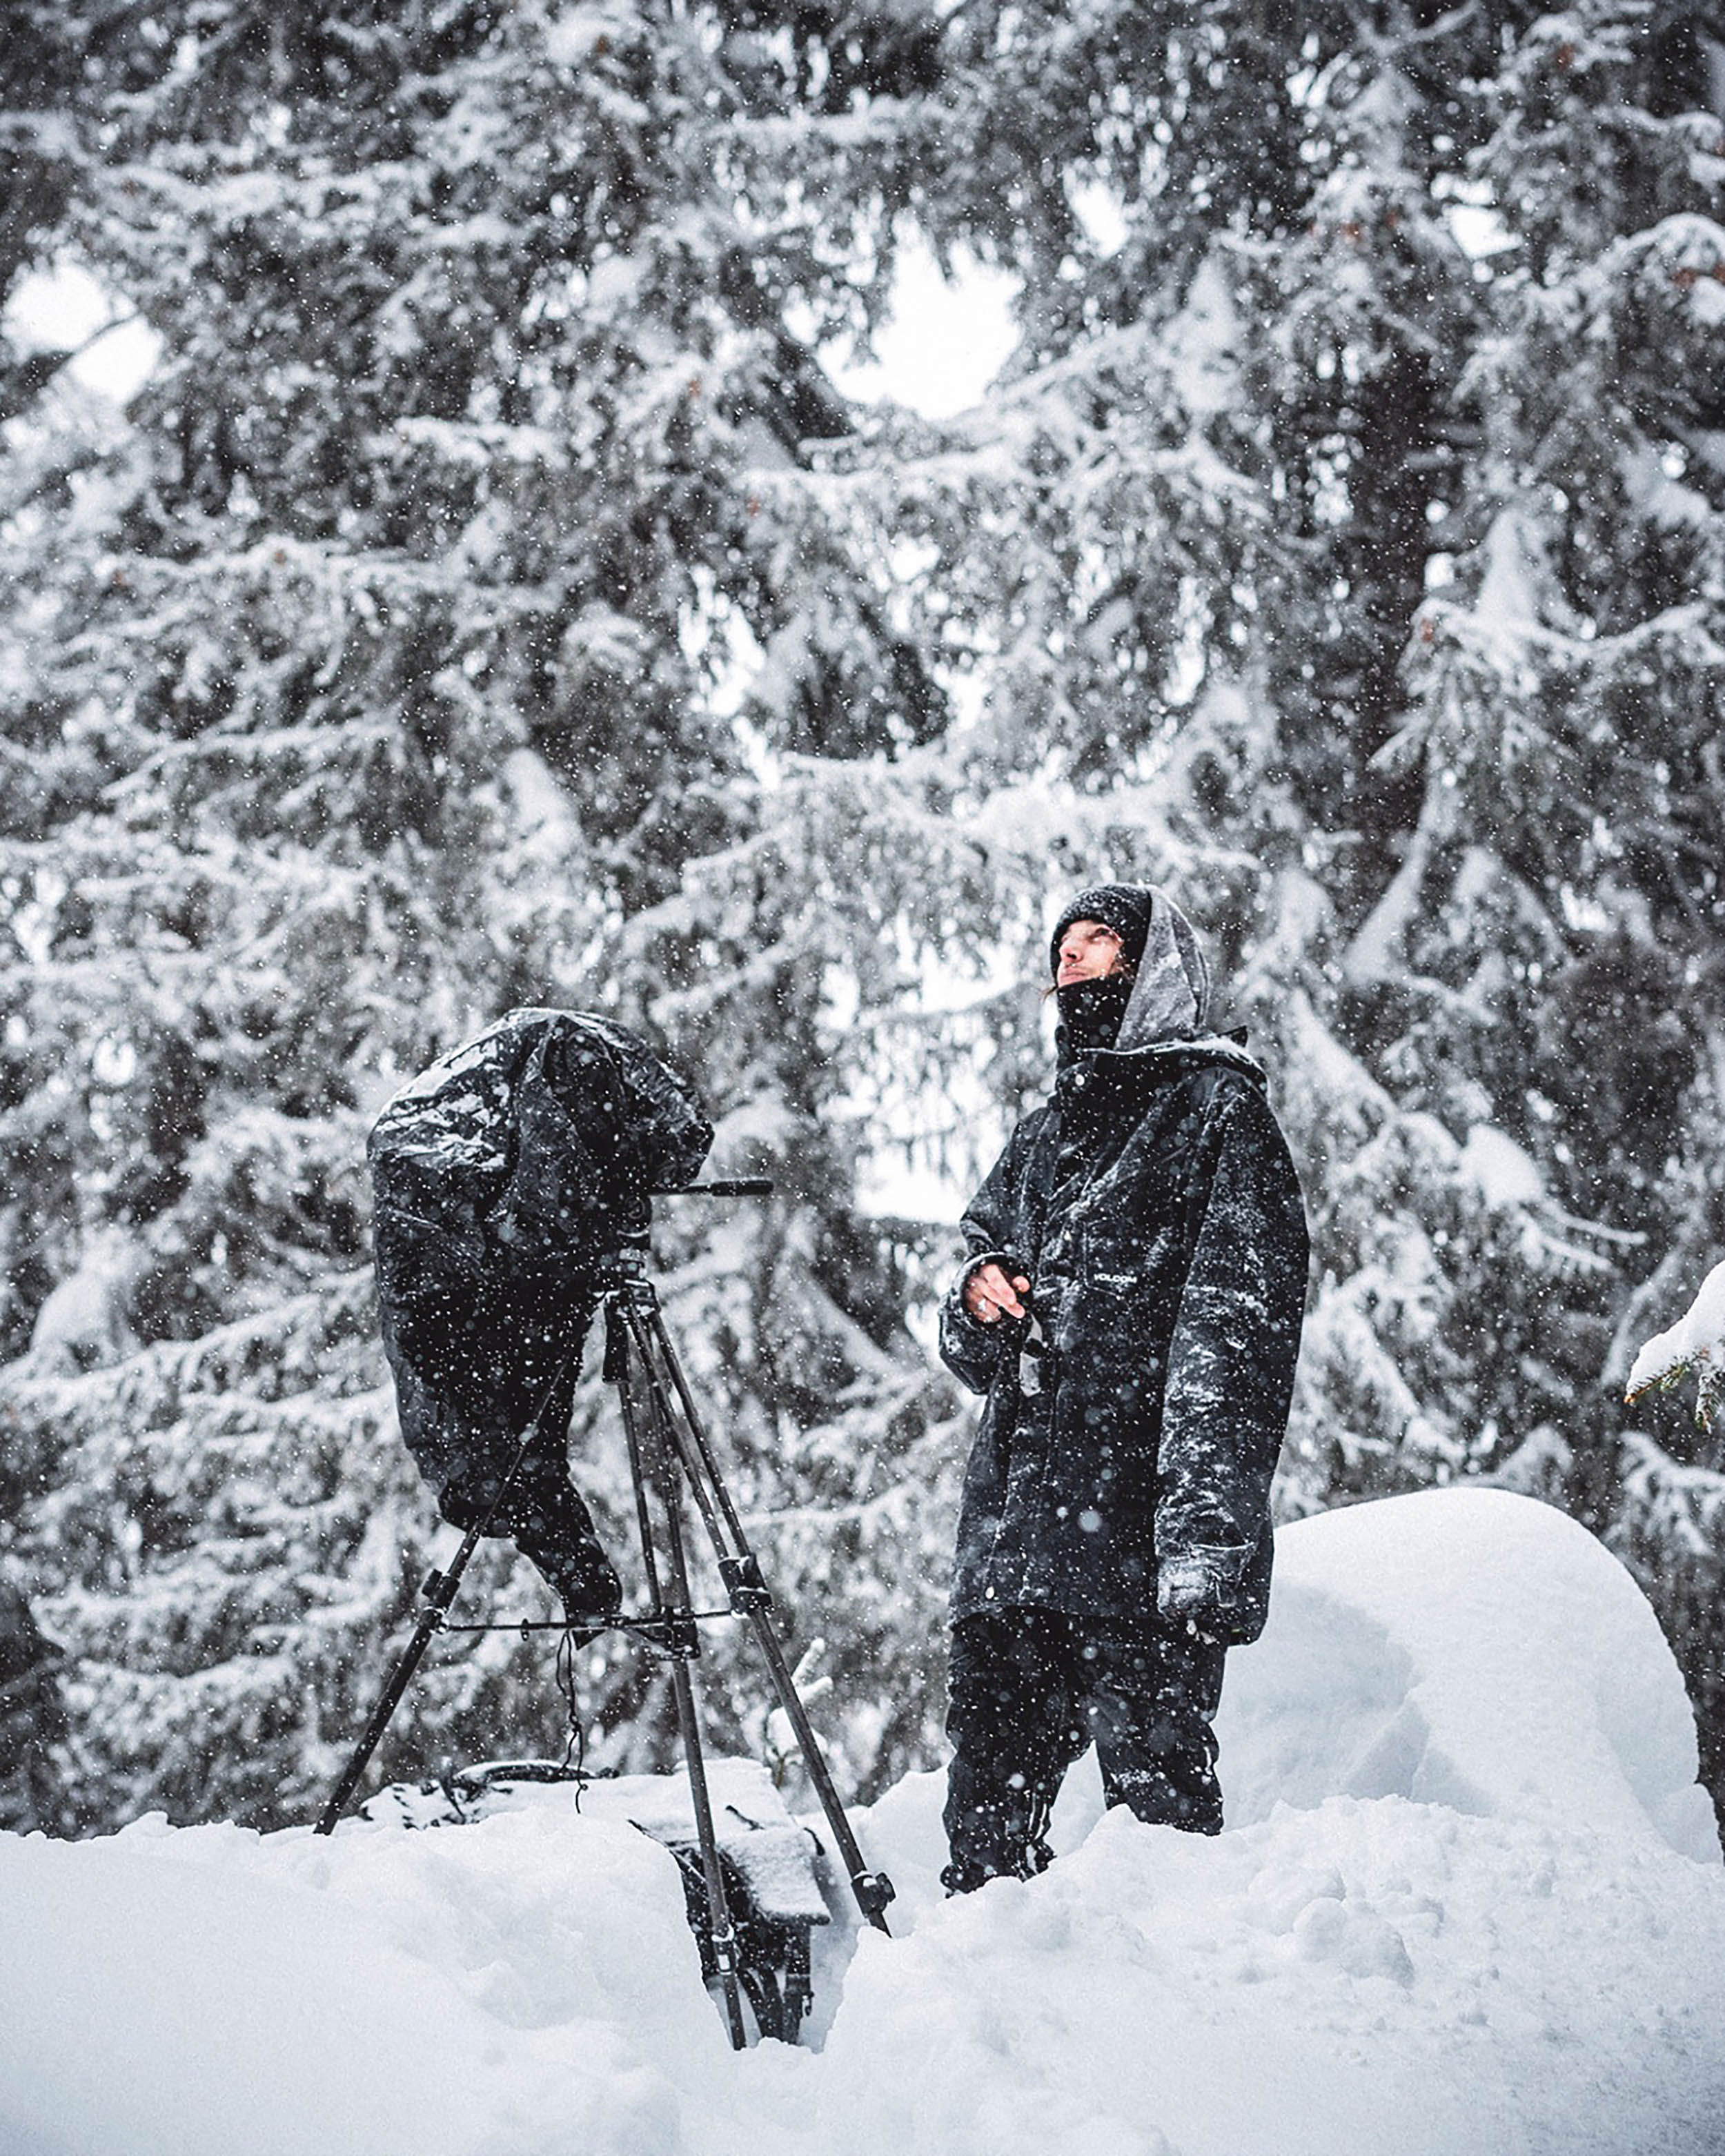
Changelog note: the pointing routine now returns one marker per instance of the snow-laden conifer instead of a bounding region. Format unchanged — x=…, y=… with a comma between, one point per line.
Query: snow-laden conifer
x=371, y=681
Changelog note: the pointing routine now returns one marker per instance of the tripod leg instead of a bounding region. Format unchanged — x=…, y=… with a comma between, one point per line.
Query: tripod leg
x=647, y=1431
x=873, y=1890
x=619, y=1371
x=431, y=1618
x=720, y=1930
x=441, y=1594
x=699, y=1462
x=737, y=1564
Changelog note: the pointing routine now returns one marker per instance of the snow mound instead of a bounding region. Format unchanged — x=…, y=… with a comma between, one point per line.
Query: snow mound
x=205, y=1990
x=1452, y=1915
x=1469, y=1648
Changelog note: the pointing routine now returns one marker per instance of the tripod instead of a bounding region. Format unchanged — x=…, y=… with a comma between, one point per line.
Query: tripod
x=669, y=1456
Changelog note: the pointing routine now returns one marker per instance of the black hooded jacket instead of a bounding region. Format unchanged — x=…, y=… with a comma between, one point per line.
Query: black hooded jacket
x=1153, y=1206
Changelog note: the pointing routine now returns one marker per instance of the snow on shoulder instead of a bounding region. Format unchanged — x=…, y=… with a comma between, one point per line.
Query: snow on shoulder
x=1468, y=1902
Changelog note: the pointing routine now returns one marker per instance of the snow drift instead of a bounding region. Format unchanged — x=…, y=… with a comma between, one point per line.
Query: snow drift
x=1471, y=1649
x=1469, y=1900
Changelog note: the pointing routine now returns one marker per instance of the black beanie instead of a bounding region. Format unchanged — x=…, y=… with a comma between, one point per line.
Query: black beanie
x=1124, y=907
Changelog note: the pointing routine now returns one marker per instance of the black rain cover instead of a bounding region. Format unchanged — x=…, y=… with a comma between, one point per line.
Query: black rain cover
x=529, y=1149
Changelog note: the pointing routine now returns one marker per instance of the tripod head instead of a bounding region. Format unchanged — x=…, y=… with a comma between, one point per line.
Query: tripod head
x=628, y=1259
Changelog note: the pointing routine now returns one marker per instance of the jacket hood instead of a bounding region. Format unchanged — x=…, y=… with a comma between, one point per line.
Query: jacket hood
x=1171, y=996
x=1171, y=986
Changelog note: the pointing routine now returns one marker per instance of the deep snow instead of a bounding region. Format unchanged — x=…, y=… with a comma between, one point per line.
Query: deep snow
x=1469, y=1900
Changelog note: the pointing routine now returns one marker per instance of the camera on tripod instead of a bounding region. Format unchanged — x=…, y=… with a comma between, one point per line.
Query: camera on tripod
x=513, y=1183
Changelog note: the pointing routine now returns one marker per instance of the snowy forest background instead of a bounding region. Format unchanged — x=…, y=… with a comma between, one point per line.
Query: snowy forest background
x=491, y=597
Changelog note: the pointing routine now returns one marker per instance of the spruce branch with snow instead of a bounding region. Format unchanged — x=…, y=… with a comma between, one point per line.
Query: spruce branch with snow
x=1692, y=1350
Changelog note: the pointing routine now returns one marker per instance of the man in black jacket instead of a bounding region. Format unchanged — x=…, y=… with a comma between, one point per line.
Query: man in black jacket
x=1131, y=1307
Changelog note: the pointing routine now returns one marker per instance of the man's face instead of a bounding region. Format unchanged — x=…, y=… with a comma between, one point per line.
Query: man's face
x=1088, y=950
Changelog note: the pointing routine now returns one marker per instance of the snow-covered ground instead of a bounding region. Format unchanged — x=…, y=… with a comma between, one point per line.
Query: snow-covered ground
x=1469, y=1901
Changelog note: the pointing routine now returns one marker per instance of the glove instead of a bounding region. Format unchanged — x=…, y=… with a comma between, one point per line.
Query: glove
x=1200, y=1589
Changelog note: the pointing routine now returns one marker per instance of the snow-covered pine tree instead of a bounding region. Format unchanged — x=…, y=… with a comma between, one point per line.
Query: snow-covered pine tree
x=1670, y=1522
x=1273, y=421
x=377, y=678
x=1564, y=715
x=1180, y=558
x=1345, y=549
x=1690, y=1352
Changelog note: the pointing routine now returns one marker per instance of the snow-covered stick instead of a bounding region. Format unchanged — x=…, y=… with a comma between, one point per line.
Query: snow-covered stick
x=1693, y=1348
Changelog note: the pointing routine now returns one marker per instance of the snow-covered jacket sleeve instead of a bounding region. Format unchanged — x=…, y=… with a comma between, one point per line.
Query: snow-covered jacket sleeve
x=1236, y=1339
x=970, y=1349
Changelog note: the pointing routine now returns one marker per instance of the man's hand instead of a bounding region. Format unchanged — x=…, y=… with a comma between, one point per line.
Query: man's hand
x=989, y=1294
x=1199, y=1589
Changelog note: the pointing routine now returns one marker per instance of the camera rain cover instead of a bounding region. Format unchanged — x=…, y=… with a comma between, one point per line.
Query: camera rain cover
x=534, y=1145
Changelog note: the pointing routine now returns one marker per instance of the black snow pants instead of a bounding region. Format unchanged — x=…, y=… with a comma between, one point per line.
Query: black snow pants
x=1031, y=1689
